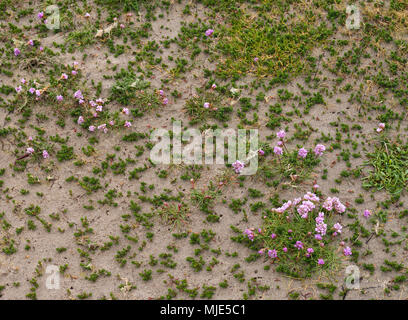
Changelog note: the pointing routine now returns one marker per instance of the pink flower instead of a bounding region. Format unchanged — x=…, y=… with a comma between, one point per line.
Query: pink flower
x=238, y=166
x=122, y=26
x=320, y=261
x=302, y=153
x=23, y=81
x=277, y=150
x=213, y=86
x=128, y=124
x=209, y=32
x=261, y=152
x=272, y=254
x=78, y=95
x=60, y=98
x=30, y=150
x=31, y=90
x=250, y=234
x=285, y=249
x=318, y=150
x=165, y=101
x=91, y=128
x=125, y=111
x=111, y=122
x=298, y=245
x=80, y=120
x=87, y=15
x=367, y=213
x=18, y=89
x=37, y=93
x=338, y=227
x=45, y=154
x=16, y=52
x=99, y=108
x=64, y=76
x=281, y=134
x=40, y=15
x=256, y=59
x=161, y=92
x=74, y=72
x=347, y=251
x=206, y=105
x=102, y=127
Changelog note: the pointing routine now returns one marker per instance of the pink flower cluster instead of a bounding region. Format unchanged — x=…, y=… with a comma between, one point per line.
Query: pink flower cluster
x=238, y=166
x=250, y=234
x=335, y=203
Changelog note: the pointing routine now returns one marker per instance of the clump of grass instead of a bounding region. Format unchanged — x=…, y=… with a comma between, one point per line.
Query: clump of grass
x=390, y=167
x=267, y=47
x=217, y=110
x=175, y=215
x=289, y=166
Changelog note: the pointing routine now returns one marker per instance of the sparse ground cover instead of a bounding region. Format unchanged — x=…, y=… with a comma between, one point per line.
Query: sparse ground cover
x=80, y=193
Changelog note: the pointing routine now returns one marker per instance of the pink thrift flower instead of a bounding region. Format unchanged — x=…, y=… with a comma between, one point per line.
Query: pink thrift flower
x=74, y=72
x=261, y=152
x=209, y=32
x=238, y=166
x=125, y=111
x=299, y=245
x=367, y=213
x=213, y=86
x=206, y=105
x=277, y=150
x=320, y=261
x=23, y=81
x=338, y=227
x=302, y=153
x=80, y=120
x=347, y=251
x=45, y=154
x=165, y=101
x=318, y=150
x=281, y=134
x=18, y=89
x=64, y=76
x=272, y=254
x=30, y=150
x=16, y=52
x=91, y=128
x=128, y=124
x=60, y=98
x=40, y=15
